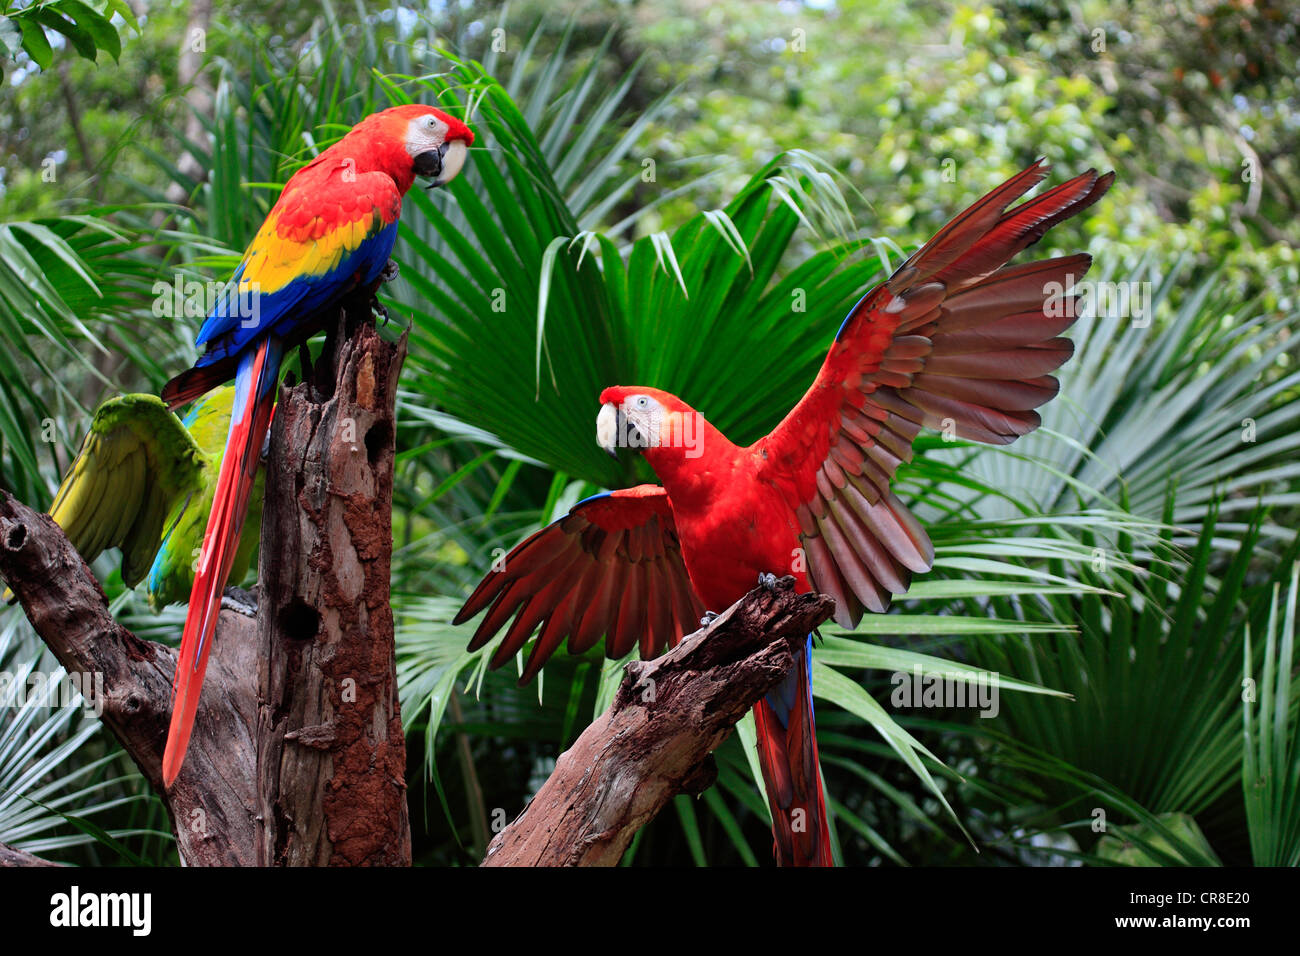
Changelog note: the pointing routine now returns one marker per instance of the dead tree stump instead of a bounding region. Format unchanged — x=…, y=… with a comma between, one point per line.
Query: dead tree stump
x=297, y=756
x=212, y=803
x=331, y=757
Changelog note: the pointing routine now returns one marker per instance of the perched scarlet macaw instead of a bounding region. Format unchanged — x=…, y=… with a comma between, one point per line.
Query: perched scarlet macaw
x=331, y=230
x=954, y=339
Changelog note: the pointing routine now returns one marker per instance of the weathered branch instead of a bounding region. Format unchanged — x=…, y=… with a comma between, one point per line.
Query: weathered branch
x=12, y=857
x=656, y=739
x=211, y=802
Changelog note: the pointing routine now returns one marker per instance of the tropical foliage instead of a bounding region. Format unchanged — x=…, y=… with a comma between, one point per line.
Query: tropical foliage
x=623, y=220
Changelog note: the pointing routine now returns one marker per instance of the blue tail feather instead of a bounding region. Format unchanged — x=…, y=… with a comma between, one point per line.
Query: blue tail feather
x=782, y=699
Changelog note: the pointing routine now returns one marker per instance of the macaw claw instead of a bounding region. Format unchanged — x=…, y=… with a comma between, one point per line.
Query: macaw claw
x=240, y=601
x=388, y=274
x=770, y=582
x=709, y=618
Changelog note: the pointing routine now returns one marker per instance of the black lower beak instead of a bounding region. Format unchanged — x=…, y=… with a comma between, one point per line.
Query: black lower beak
x=429, y=163
x=620, y=426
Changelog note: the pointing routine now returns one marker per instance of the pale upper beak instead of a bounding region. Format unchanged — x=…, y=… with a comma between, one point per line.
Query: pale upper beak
x=443, y=164
x=607, y=428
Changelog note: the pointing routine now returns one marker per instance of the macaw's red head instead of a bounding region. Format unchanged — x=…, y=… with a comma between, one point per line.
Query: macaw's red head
x=409, y=141
x=651, y=421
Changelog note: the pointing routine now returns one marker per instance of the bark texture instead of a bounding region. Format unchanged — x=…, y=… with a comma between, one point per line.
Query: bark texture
x=212, y=801
x=656, y=739
x=331, y=755
x=11, y=857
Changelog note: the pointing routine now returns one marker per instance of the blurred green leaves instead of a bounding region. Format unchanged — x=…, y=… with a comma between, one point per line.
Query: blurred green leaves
x=86, y=30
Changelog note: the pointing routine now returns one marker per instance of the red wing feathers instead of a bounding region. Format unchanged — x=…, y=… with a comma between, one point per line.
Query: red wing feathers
x=955, y=340
x=611, y=568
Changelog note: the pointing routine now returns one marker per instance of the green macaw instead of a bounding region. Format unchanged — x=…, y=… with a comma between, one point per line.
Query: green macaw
x=143, y=482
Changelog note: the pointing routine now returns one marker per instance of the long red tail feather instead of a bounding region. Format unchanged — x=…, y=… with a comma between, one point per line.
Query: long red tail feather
x=254, y=400
x=198, y=381
x=787, y=754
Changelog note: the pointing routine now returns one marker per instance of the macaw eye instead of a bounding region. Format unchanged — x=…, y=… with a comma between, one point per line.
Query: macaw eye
x=430, y=122
x=641, y=401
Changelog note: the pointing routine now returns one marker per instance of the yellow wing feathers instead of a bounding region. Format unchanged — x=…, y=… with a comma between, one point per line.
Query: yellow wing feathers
x=134, y=464
x=280, y=254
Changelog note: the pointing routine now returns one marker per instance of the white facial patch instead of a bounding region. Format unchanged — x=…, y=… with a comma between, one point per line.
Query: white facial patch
x=425, y=133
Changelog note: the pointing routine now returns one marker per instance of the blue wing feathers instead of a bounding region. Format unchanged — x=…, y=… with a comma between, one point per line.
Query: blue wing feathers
x=232, y=325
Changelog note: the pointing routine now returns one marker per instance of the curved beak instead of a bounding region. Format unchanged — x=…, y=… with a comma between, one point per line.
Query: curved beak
x=607, y=428
x=442, y=164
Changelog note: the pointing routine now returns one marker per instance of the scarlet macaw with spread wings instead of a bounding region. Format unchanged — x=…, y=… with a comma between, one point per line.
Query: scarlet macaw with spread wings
x=954, y=339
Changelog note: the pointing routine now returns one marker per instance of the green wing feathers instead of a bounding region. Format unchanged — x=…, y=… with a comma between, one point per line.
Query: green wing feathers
x=139, y=480
x=135, y=463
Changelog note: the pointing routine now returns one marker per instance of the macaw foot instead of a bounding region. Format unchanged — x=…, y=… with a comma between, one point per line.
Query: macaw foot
x=388, y=274
x=770, y=582
x=709, y=618
x=240, y=601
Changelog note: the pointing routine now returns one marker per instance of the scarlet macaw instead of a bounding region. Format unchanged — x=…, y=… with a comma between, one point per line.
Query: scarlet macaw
x=143, y=482
x=954, y=339
x=331, y=231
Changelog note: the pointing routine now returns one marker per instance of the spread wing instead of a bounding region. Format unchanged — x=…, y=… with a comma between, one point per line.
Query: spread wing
x=136, y=462
x=612, y=567
x=954, y=340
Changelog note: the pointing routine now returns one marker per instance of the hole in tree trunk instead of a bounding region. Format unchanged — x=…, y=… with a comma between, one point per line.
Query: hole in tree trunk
x=17, y=535
x=378, y=438
x=299, y=621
